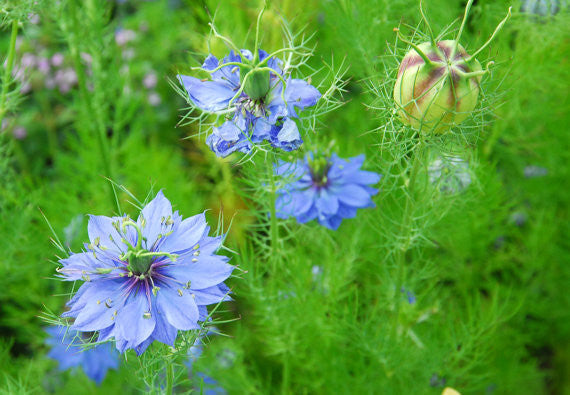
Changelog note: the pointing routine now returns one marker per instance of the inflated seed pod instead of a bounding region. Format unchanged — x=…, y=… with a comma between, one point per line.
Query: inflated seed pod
x=435, y=95
x=438, y=82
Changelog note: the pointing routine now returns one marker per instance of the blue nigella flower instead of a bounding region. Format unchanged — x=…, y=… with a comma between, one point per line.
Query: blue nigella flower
x=146, y=280
x=326, y=189
x=257, y=97
x=66, y=349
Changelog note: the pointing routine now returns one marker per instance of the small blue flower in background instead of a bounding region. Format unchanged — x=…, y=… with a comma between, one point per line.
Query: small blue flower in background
x=535, y=171
x=66, y=349
x=410, y=295
x=543, y=7
x=450, y=173
x=211, y=386
x=326, y=189
x=250, y=92
x=146, y=280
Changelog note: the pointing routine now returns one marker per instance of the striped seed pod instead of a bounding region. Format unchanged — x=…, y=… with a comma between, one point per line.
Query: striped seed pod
x=437, y=86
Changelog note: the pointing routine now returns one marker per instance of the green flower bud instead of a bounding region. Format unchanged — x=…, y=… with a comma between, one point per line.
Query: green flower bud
x=439, y=94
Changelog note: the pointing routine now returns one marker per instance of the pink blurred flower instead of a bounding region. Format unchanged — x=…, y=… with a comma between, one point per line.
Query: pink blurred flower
x=154, y=99
x=20, y=132
x=124, y=36
x=57, y=59
x=43, y=65
x=34, y=18
x=150, y=80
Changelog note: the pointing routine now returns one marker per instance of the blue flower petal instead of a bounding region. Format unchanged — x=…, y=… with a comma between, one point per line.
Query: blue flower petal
x=83, y=265
x=287, y=136
x=100, y=301
x=186, y=235
x=228, y=74
x=156, y=219
x=361, y=177
x=102, y=232
x=261, y=130
x=345, y=211
x=206, y=272
x=332, y=222
x=310, y=215
x=211, y=295
x=327, y=203
x=66, y=349
x=228, y=138
x=131, y=323
x=353, y=195
x=300, y=94
x=208, y=95
x=178, y=307
x=163, y=331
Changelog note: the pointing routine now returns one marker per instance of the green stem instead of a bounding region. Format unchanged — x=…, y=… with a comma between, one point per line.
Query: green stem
x=285, y=378
x=427, y=60
x=273, y=225
x=228, y=42
x=497, y=29
x=406, y=232
x=169, y=377
x=91, y=107
x=430, y=31
x=460, y=32
x=256, y=48
x=49, y=127
x=8, y=70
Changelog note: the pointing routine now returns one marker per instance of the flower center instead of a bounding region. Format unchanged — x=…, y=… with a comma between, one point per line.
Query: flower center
x=140, y=260
x=319, y=171
x=257, y=83
x=139, y=264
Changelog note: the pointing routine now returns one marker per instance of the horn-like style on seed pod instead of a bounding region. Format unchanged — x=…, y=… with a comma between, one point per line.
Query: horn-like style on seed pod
x=438, y=82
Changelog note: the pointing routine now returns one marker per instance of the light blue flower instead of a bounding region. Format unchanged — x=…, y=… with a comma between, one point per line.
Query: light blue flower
x=254, y=113
x=66, y=348
x=325, y=189
x=146, y=280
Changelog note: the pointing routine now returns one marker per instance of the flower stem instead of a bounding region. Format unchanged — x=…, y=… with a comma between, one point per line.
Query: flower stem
x=460, y=32
x=169, y=377
x=427, y=60
x=90, y=101
x=430, y=31
x=8, y=70
x=257, y=27
x=273, y=225
x=405, y=231
x=497, y=29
